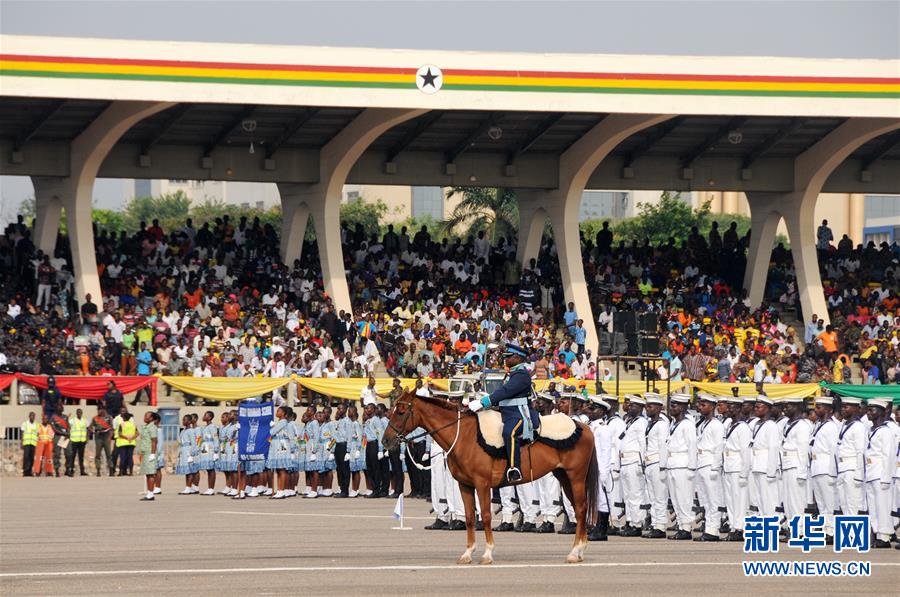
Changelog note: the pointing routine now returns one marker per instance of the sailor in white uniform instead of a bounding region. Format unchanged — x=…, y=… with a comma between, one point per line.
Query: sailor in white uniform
x=822, y=463
x=736, y=469
x=681, y=465
x=766, y=448
x=852, y=439
x=880, y=453
x=603, y=446
x=795, y=458
x=655, y=459
x=710, y=442
x=632, y=447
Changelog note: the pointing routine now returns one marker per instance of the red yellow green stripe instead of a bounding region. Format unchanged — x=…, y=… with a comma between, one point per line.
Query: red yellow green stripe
x=454, y=79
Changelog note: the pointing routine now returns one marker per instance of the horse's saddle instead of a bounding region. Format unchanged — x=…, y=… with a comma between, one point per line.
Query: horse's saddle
x=557, y=430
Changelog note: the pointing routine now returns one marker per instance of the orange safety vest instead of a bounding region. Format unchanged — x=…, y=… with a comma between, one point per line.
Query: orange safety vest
x=45, y=433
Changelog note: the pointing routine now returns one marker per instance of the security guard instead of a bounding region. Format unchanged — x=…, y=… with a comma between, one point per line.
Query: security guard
x=519, y=420
x=29, y=444
x=77, y=441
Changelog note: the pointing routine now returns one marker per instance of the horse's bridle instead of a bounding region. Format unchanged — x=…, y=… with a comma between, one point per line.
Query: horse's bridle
x=402, y=437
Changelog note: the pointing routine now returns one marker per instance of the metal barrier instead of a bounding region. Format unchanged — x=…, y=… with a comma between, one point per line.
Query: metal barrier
x=11, y=452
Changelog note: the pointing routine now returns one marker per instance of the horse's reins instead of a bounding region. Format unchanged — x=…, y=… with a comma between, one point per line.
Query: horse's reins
x=409, y=439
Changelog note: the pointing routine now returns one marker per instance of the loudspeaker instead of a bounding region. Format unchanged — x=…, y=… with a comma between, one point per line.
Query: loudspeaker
x=633, y=345
x=606, y=342
x=648, y=323
x=619, y=346
x=624, y=321
x=650, y=345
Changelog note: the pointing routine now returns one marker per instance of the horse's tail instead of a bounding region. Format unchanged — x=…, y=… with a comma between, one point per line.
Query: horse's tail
x=592, y=486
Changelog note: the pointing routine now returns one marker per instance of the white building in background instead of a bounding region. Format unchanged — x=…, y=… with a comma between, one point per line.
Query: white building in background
x=240, y=194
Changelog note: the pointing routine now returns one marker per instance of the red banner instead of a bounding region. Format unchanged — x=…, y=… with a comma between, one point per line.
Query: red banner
x=6, y=380
x=91, y=388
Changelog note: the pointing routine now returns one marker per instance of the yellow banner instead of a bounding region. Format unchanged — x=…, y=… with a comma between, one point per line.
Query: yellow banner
x=350, y=388
x=226, y=388
x=772, y=390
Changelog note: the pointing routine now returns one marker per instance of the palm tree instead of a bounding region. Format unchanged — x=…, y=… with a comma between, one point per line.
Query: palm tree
x=494, y=210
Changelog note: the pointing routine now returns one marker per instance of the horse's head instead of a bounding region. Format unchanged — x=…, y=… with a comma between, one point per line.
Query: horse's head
x=402, y=421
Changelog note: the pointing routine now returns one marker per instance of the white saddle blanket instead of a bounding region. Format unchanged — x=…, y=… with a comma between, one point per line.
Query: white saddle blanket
x=556, y=427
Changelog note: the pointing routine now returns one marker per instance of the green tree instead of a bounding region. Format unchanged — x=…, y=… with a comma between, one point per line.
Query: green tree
x=108, y=219
x=367, y=213
x=494, y=210
x=170, y=209
x=669, y=218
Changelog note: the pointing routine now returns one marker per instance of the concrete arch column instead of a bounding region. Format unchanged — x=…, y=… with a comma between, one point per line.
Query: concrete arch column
x=47, y=212
x=322, y=200
x=563, y=205
x=811, y=169
x=75, y=191
x=532, y=219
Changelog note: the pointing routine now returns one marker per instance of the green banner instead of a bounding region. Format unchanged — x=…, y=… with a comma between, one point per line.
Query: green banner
x=865, y=392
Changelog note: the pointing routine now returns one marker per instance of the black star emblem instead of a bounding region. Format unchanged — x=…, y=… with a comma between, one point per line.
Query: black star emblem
x=428, y=78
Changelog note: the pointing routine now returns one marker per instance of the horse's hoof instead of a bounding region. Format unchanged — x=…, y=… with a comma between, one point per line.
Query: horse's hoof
x=573, y=559
x=486, y=561
x=464, y=560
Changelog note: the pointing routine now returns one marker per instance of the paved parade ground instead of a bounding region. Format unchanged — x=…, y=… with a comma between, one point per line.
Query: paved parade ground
x=87, y=536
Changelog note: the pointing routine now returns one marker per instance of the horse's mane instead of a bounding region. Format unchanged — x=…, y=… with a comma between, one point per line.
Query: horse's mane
x=438, y=402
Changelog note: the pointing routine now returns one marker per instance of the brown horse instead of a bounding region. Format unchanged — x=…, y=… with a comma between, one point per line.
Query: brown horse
x=455, y=431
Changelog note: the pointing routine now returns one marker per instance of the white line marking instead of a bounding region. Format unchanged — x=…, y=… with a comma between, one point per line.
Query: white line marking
x=372, y=568
x=317, y=515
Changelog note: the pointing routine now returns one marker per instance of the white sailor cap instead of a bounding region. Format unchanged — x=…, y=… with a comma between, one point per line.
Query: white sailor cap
x=851, y=400
x=732, y=399
x=680, y=398
x=764, y=399
x=704, y=397
x=825, y=401
x=610, y=398
x=653, y=398
x=882, y=402
x=597, y=400
x=635, y=399
x=791, y=400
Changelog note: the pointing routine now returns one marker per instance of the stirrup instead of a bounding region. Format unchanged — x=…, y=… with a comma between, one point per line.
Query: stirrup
x=513, y=475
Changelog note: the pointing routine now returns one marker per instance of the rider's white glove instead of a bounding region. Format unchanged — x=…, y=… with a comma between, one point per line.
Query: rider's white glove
x=475, y=406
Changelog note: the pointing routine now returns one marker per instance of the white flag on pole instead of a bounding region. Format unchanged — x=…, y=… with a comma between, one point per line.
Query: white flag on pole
x=398, y=508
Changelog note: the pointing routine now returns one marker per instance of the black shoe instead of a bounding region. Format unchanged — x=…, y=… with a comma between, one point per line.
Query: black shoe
x=655, y=534
x=546, y=527
x=630, y=531
x=699, y=529
x=567, y=529
x=613, y=531
x=707, y=537
x=373, y=495
x=829, y=539
x=84, y=474
x=133, y=403
x=513, y=475
x=341, y=495
x=724, y=528
x=597, y=534
x=527, y=527
x=879, y=544
x=437, y=525
x=456, y=525
x=735, y=536
x=681, y=536
x=504, y=527
x=57, y=473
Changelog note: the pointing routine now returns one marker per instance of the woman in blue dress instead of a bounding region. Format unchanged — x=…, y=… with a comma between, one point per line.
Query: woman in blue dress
x=160, y=463
x=209, y=450
x=355, y=451
x=279, y=459
x=311, y=435
x=228, y=457
x=187, y=463
x=325, y=453
x=294, y=472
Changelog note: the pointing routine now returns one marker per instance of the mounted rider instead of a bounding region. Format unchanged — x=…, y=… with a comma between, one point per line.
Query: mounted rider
x=513, y=397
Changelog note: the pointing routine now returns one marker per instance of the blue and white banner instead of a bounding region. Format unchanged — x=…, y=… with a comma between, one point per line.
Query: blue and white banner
x=255, y=419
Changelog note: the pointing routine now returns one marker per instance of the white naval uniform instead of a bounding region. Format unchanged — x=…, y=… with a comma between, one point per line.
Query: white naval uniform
x=710, y=443
x=752, y=495
x=567, y=505
x=446, y=498
x=795, y=467
x=764, y=465
x=632, y=447
x=528, y=502
x=603, y=442
x=852, y=439
x=680, y=467
x=616, y=426
x=896, y=513
x=736, y=472
x=655, y=461
x=879, y=454
x=823, y=469
x=549, y=497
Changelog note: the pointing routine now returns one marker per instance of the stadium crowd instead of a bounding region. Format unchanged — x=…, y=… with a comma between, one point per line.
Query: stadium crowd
x=214, y=300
